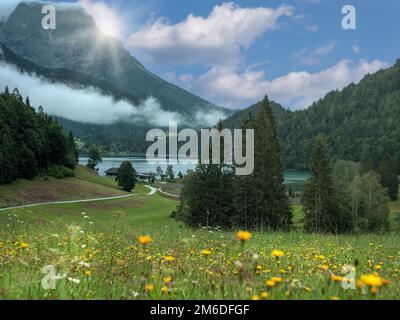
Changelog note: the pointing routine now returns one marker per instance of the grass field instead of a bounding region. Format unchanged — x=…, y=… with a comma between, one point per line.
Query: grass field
x=95, y=252
x=85, y=185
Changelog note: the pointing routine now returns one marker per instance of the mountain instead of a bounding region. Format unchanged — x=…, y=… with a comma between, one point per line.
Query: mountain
x=77, y=45
x=360, y=122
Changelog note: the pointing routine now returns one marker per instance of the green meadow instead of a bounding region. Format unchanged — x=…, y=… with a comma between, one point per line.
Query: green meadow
x=91, y=251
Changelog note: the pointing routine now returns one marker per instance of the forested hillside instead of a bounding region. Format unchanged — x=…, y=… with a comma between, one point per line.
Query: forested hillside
x=360, y=122
x=30, y=142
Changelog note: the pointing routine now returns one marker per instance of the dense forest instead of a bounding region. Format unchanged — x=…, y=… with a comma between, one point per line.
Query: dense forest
x=360, y=122
x=31, y=142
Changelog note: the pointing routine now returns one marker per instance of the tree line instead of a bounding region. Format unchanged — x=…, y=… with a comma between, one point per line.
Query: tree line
x=31, y=142
x=346, y=198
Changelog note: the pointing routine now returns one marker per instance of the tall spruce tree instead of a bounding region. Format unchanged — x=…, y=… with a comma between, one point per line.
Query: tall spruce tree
x=244, y=190
x=71, y=157
x=207, y=194
x=320, y=203
x=271, y=203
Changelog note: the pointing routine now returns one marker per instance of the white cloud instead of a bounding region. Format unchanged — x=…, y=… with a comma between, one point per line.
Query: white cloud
x=84, y=105
x=215, y=39
x=313, y=57
x=295, y=90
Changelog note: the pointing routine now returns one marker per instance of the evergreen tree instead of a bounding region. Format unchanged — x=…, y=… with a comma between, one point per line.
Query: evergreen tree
x=180, y=175
x=389, y=177
x=57, y=143
x=245, y=190
x=94, y=157
x=271, y=203
x=71, y=158
x=127, y=176
x=170, y=172
x=320, y=202
x=27, y=165
x=8, y=158
x=207, y=196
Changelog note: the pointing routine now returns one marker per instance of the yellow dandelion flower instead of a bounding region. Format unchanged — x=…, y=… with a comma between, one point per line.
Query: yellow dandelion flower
x=23, y=245
x=264, y=295
x=243, y=235
x=324, y=267
x=149, y=287
x=336, y=278
x=378, y=267
x=88, y=273
x=169, y=258
x=164, y=290
x=371, y=280
x=255, y=297
x=277, y=253
x=276, y=279
x=334, y=298
x=205, y=252
x=270, y=283
x=168, y=280
x=144, y=240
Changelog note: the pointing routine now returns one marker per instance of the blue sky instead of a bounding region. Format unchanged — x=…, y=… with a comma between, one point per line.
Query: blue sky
x=232, y=53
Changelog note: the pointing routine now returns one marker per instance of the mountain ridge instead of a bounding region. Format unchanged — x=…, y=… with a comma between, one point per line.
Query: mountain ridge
x=359, y=122
x=78, y=45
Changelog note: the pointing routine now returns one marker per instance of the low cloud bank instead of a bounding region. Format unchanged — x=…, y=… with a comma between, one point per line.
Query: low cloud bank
x=84, y=105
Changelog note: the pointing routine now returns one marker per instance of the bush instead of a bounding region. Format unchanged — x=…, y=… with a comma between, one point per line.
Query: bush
x=59, y=172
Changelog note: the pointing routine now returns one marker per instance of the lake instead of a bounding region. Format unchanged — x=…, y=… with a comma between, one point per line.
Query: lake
x=293, y=178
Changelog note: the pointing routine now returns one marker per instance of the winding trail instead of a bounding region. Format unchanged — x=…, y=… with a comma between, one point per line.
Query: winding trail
x=152, y=190
x=66, y=202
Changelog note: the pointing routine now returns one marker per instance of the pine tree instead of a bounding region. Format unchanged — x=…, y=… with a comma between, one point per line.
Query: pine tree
x=127, y=176
x=71, y=158
x=271, y=203
x=320, y=203
x=244, y=190
x=27, y=165
x=389, y=178
x=207, y=197
x=8, y=168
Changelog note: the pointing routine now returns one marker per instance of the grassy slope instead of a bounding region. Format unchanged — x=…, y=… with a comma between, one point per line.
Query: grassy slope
x=85, y=185
x=106, y=240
